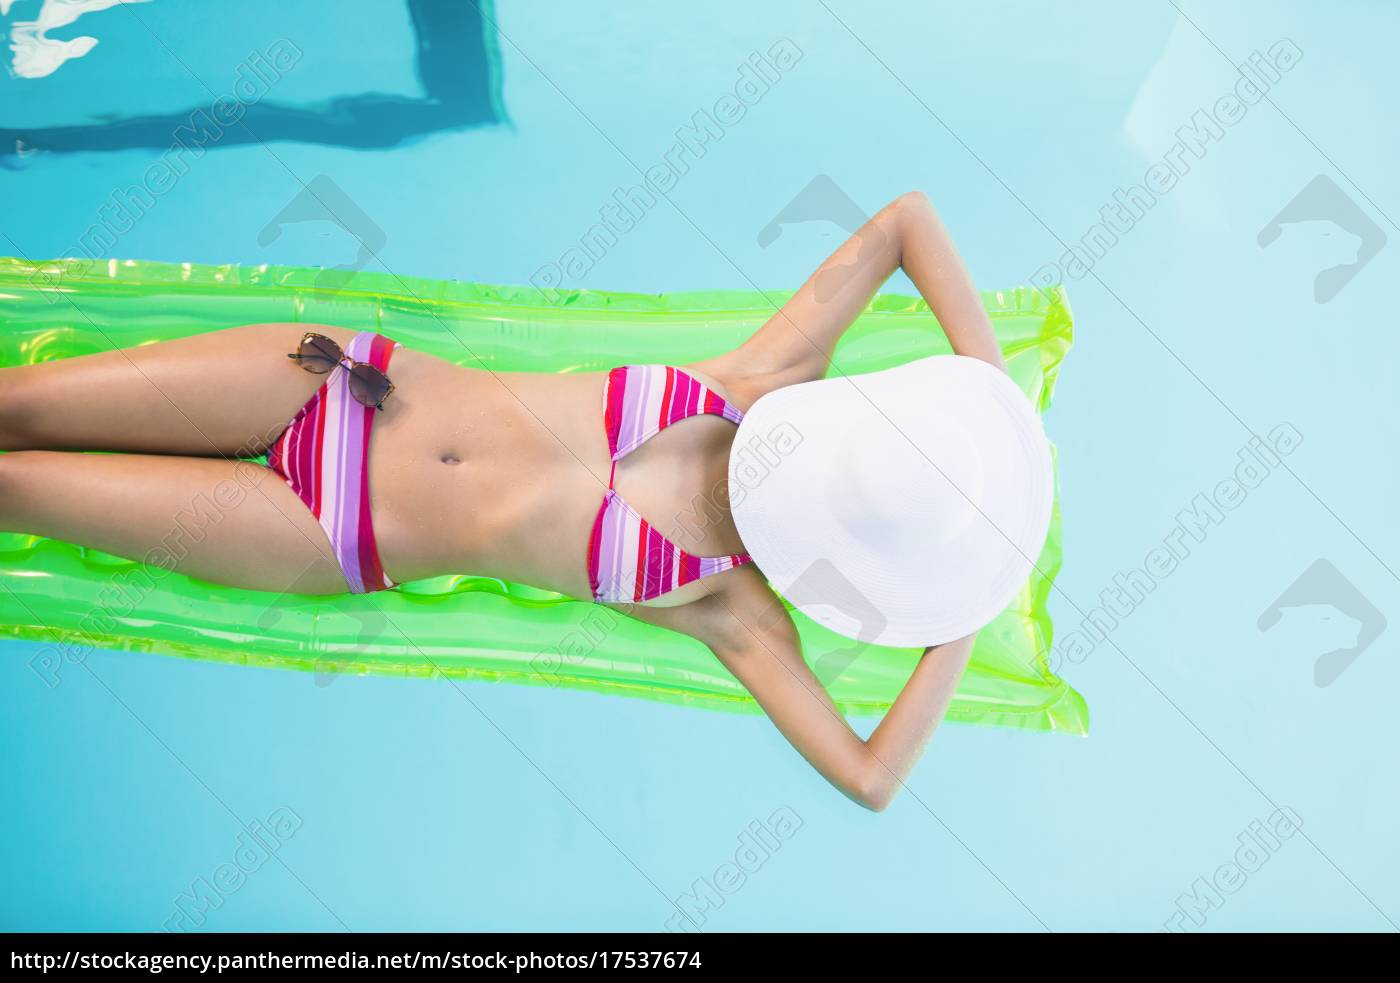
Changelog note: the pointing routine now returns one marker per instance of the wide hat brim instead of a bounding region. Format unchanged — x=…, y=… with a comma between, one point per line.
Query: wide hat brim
x=904, y=507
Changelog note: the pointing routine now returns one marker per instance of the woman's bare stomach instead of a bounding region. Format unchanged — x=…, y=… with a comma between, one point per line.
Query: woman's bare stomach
x=492, y=474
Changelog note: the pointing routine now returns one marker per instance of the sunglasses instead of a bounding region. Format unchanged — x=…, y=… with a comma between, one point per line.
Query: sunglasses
x=320, y=355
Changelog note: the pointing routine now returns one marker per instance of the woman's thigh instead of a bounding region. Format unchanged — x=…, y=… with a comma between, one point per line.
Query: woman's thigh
x=228, y=522
x=221, y=394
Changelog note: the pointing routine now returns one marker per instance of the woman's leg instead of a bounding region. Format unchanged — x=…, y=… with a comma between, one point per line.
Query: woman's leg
x=233, y=523
x=222, y=394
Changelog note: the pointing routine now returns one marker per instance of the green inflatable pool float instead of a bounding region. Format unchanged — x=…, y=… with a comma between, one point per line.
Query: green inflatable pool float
x=75, y=599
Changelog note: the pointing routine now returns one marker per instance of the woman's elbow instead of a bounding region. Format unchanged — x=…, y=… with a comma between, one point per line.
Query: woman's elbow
x=913, y=199
x=912, y=206
x=901, y=210
x=875, y=792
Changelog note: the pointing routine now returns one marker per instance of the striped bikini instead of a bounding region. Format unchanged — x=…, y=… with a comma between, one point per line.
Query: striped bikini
x=628, y=560
x=323, y=455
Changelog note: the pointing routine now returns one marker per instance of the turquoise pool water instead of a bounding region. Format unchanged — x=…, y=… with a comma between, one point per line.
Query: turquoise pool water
x=1202, y=320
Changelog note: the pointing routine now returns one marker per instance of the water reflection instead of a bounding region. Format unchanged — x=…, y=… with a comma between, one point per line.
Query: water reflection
x=457, y=63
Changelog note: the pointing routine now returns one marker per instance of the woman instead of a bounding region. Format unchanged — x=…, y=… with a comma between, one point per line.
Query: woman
x=502, y=474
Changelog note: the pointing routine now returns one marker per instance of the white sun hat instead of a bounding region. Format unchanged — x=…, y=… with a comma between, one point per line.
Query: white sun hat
x=903, y=507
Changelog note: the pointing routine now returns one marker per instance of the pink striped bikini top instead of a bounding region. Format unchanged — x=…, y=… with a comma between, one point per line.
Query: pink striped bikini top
x=628, y=560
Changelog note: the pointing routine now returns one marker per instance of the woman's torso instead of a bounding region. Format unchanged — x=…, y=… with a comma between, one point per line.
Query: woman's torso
x=503, y=474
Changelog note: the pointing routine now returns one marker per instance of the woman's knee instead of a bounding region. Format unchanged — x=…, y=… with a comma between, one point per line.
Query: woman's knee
x=20, y=477
x=21, y=406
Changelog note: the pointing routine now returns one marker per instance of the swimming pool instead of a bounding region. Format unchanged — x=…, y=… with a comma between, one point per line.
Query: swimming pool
x=403, y=804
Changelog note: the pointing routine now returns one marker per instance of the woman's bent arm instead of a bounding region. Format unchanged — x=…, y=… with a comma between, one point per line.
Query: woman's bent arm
x=748, y=629
x=909, y=723
x=795, y=345
x=871, y=772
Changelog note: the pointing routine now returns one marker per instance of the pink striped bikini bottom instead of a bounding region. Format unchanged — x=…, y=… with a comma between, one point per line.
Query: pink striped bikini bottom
x=323, y=455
